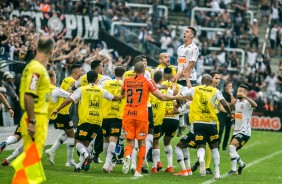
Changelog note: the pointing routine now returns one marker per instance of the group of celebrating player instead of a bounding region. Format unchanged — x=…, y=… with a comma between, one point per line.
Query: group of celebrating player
x=141, y=108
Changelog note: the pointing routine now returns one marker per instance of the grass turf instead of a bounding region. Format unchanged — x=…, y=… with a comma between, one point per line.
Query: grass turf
x=261, y=144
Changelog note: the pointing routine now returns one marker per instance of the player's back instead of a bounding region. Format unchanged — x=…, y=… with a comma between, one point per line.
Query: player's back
x=137, y=90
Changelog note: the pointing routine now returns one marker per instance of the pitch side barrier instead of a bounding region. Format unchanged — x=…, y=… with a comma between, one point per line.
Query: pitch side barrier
x=267, y=120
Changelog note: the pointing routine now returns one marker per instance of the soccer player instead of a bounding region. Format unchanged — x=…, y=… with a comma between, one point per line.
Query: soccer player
x=208, y=157
x=165, y=62
x=111, y=125
x=135, y=118
x=89, y=99
x=34, y=88
x=63, y=120
x=187, y=57
x=242, y=130
x=203, y=116
x=159, y=112
x=54, y=93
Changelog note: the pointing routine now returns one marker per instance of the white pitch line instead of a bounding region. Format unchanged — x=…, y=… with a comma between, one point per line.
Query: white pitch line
x=248, y=165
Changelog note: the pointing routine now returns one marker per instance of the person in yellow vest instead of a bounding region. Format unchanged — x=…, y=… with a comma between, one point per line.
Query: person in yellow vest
x=165, y=62
x=34, y=89
x=63, y=120
x=97, y=143
x=90, y=105
x=111, y=125
x=208, y=157
x=203, y=117
x=166, y=127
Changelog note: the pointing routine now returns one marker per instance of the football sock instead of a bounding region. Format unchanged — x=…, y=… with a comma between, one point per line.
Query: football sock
x=186, y=155
x=128, y=150
x=11, y=140
x=201, y=154
x=70, y=149
x=105, y=148
x=168, y=151
x=17, y=151
x=110, y=151
x=179, y=157
x=62, y=138
x=156, y=157
x=216, y=159
x=134, y=153
x=234, y=157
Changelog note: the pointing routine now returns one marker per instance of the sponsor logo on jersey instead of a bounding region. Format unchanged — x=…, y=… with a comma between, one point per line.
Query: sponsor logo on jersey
x=115, y=130
x=214, y=137
x=141, y=134
x=60, y=125
x=34, y=81
x=82, y=133
x=199, y=138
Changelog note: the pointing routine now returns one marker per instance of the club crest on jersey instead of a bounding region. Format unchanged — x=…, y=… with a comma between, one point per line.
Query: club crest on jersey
x=34, y=81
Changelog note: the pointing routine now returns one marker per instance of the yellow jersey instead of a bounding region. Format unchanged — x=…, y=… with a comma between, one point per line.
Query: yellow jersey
x=201, y=107
x=84, y=82
x=35, y=81
x=158, y=107
x=113, y=109
x=169, y=107
x=161, y=67
x=66, y=85
x=131, y=73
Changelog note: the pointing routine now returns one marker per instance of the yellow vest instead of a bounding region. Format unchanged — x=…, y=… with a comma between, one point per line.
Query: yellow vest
x=169, y=108
x=158, y=108
x=90, y=105
x=52, y=105
x=201, y=108
x=111, y=109
x=66, y=85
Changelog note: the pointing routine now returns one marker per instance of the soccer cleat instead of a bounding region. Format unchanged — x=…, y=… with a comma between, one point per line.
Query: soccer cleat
x=145, y=167
x=137, y=174
x=216, y=175
x=240, y=169
x=231, y=172
x=169, y=169
x=126, y=165
x=133, y=168
x=119, y=161
x=3, y=146
x=86, y=163
x=195, y=166
x=97, y=160
x=159, y=166
x=50, y=156
x=209, y=171
x=202, y=168
x=70, y=163
x=190, y=172
x=182, y=173
x=145, y=171
x=111, y=167
x=5, y=162
x=154, y=170
x=106, y=167
x=77, y=170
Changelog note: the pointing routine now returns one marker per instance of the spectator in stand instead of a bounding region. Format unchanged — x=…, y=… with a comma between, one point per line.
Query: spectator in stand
x=264, y=9
x=225, y=17
x=254, y=34
x=165, y=40
x=272, y=39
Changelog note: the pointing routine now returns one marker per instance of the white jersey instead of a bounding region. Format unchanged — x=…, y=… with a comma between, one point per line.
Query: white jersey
x=185, y=55
x=243, y=116
x=58, y=92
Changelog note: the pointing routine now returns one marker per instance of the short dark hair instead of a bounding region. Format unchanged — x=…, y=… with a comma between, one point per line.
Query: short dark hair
x=139, y=67
x=193, y=30
x=225, y=84
x=137, y=59
x=51, y=73
x=45, y=44
x=143, y=56
x=95, y=64
x=244, y=86
x=158, y=75
x=119, y=71
x=75, y=66
x=213, y=73
x=92, y=76
x=167, y=70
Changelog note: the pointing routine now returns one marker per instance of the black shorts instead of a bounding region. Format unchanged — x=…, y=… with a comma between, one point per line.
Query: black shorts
x=241, y=138
x=18, y=131
x=205, y=132
x=87, y=131
x=63, y=121
x=169, y=127
x=189, y=140
x=150, y=117
x=111, y=127
x=158, y=132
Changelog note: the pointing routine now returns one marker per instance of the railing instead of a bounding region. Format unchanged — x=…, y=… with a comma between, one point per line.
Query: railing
x=5, y=63
x=132, y=24
x=165, y=9
x=218, y=10
x=233, y=50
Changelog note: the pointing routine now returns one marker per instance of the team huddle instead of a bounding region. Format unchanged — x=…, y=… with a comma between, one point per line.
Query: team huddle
x=140, y=106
